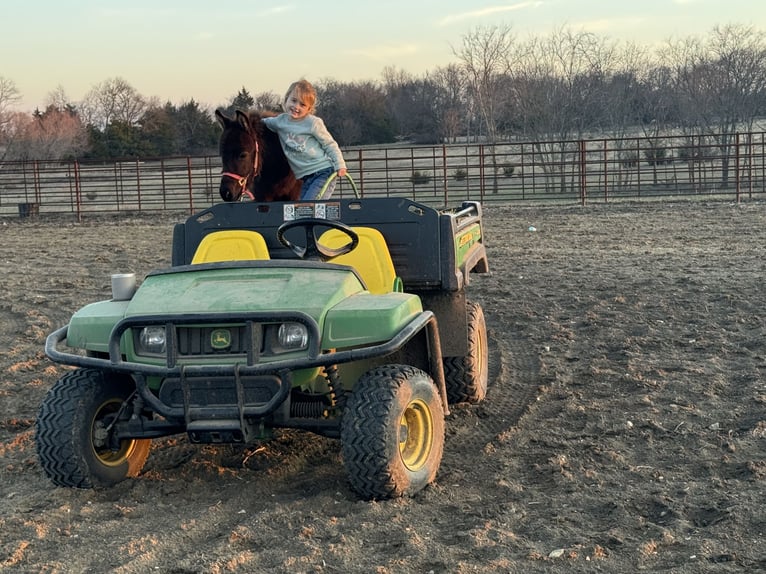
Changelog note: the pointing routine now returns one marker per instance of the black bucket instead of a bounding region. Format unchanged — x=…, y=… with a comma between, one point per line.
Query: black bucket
x=28, y=209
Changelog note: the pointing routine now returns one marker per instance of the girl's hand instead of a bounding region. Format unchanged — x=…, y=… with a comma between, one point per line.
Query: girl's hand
x=342, y=172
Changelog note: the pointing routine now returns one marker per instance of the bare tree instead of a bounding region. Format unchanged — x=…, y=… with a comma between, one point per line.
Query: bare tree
x=52, y=135
x=268, y=101
x=721, y=82
x=396, y=84
x=452, y=103
x=57, y=99
x=9, y=95
x=624, y=90
x=562, y=84
x=113, y=100
x=415, y=103
x=355, y=113
x=485, y=57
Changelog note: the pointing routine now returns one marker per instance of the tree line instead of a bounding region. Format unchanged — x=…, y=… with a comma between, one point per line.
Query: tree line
x=565, y=86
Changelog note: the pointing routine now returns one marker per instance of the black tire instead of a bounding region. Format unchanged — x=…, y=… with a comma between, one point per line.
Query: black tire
x=71, y=438
x=392, y=432
x=466, y=377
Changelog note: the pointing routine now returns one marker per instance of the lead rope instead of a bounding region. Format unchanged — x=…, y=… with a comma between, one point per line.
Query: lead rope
x=333, y=176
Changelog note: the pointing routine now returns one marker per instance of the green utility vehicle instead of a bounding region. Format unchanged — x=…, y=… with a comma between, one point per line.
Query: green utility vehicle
x=345, y=318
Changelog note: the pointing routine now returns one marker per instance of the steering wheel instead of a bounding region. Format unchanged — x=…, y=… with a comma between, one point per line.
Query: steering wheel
x=313, y=249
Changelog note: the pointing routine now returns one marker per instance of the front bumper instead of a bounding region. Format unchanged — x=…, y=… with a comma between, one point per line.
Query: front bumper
x=250, y=367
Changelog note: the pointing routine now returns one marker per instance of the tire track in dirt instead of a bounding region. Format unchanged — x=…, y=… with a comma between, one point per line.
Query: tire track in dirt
x=513, y=386
x=14, y=323
x=242, y=508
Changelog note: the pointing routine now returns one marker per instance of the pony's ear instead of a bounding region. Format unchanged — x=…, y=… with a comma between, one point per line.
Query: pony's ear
x=223, y=120
x=244, y=120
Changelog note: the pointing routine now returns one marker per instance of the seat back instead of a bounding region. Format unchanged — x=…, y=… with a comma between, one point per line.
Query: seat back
x=371, y=258
x=231, y=245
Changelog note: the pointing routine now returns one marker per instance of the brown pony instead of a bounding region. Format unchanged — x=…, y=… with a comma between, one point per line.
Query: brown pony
x=254, y=164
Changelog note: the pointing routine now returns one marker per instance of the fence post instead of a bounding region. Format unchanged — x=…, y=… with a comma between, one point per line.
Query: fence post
x=638, y=166
x=118, y=185
x=77, y=190
x=606, y=172
x=481, y=172
x=162, y=184
x=736, y=165
x=138, y=184
x=36, y=179
x=361, y=172
x=444, y=169
x=191, y=191
x=583, y=175
x=750, y=165
x=467, y=174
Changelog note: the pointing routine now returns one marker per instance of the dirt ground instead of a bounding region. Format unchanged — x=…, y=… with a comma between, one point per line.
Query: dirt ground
x=624, y=429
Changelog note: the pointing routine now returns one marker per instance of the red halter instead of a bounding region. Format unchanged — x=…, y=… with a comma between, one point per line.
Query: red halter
x=242, y=180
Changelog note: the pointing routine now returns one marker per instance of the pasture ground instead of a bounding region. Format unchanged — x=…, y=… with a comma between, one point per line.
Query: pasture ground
x=624, y=429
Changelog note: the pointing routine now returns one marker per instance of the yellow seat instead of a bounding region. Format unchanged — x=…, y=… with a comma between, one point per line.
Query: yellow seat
x=231, y=245
x=370, y=258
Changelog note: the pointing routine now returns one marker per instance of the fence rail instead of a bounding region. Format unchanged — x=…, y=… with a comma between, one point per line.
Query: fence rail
x=578, y=171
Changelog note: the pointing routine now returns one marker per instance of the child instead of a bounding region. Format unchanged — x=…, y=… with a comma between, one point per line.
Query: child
x=311, y=151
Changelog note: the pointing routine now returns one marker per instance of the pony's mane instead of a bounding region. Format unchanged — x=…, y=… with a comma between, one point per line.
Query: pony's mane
x=255, y=117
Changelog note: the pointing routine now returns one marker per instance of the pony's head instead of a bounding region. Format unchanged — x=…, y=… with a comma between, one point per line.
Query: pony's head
x=240, y=153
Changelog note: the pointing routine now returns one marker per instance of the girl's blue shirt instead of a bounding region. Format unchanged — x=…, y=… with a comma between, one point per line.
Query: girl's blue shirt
x=307, y=144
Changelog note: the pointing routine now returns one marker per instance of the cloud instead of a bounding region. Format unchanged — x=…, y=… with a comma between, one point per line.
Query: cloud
x=386, y=52
x=608, y=24
x=488, y=11
x=277, y=10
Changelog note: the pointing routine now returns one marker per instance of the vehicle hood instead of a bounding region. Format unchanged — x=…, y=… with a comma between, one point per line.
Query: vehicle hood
x=312, y=290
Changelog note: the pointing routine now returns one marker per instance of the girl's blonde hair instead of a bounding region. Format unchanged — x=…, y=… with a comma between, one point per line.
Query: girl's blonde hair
x=305, y=92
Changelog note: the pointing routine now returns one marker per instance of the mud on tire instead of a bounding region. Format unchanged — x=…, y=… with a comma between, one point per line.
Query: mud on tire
x=466, y=377
x=72, y=431
x=392, y=432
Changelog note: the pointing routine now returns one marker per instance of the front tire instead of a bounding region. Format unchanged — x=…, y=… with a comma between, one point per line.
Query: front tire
x=466, y=377
x=392, y=432
x=73, y=431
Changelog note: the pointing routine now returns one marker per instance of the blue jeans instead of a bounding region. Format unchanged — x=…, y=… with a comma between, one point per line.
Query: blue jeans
x=312, y=185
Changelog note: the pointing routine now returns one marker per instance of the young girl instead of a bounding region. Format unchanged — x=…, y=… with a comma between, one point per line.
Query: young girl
x=311, y=151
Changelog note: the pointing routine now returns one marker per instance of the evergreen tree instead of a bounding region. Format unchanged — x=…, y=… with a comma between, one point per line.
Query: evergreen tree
x=242, y=101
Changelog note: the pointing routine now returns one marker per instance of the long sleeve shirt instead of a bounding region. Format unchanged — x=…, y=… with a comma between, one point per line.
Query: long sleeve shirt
x=307, y=144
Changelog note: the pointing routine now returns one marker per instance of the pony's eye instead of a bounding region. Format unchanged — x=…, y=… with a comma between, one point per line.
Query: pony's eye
x=243, y=155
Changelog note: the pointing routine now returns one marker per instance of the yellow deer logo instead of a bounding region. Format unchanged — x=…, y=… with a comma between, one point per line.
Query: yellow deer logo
x=220, y=339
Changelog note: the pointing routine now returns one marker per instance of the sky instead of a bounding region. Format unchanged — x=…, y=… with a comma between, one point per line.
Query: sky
x=208, y=50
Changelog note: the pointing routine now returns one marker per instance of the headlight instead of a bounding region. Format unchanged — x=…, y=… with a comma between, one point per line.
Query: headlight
x=293, y=336
x=152, y=339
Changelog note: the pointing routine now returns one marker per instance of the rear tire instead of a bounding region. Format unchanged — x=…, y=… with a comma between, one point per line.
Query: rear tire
x=392, y=432
x=466, y=377
x=73, y=436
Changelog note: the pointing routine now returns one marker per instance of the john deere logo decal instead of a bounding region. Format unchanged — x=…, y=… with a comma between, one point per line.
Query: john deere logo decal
x=220, y=339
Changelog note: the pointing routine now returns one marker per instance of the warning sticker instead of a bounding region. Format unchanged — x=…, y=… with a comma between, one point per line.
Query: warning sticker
x=319, y=210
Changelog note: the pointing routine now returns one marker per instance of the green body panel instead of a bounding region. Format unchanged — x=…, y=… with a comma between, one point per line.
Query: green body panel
x=90, y=326
x=465, y=241
x=367, y=318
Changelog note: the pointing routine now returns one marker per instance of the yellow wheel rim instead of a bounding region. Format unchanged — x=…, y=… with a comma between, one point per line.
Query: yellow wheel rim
x=99, y=434
x=482, y=351
x=416, y=435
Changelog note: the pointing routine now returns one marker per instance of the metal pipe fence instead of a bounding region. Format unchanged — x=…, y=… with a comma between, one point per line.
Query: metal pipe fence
x=582, y=171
